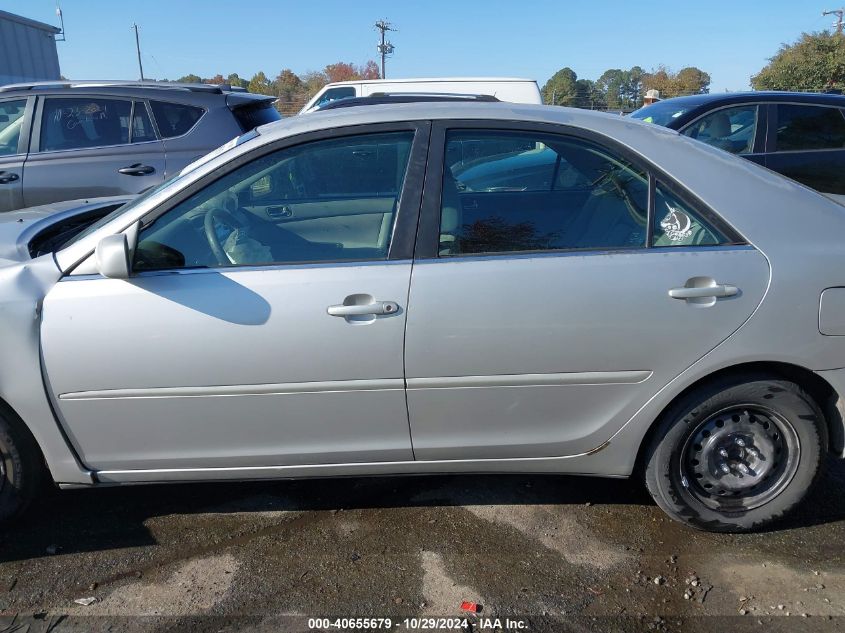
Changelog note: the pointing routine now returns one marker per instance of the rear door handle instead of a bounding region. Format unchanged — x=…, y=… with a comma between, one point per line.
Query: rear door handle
x=7, y=177
x=719, y=290
x=136, y=170
x=375, y=308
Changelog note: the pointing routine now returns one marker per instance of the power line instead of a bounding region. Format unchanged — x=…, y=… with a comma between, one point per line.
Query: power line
x=840, y=14
x=384, y=48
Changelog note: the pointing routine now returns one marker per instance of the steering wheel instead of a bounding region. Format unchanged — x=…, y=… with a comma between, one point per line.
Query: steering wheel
x=227, y=218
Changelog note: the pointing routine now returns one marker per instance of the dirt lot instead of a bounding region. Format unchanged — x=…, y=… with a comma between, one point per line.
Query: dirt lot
x=556, y=553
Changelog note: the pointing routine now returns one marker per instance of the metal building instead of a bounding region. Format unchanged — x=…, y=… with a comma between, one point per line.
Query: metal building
x=27, y=50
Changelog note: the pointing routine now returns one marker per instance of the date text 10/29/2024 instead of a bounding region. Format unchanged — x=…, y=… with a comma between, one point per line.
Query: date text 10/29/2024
x=418, y=624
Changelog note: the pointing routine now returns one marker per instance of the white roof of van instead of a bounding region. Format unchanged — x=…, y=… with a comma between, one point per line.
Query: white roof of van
x=429, y=80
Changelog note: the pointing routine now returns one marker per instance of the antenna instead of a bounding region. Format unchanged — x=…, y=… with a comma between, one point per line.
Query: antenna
x=60, y=36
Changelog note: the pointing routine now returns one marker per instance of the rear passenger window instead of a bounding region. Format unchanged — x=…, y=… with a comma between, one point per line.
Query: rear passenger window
x=803, y=127
x=510, y=192
x=675, y=224
x=74, y=123
x=175, y=119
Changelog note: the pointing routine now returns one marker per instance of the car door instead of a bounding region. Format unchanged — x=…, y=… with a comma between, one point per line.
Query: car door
x=539, y=324
x=91, y=146
x=15, y=117
x=238, y=343
x=807, y=144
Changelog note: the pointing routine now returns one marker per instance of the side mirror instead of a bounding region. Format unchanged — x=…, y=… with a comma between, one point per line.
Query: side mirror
x=112, y=256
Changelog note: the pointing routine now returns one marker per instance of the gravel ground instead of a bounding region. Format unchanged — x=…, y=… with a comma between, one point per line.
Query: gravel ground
x=555, y=553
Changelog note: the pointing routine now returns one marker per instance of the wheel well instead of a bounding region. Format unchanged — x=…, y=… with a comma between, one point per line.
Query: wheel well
x=817, y=387
x=12, y=417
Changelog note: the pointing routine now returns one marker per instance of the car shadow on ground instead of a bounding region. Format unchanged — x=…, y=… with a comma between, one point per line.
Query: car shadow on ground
x=111, y=518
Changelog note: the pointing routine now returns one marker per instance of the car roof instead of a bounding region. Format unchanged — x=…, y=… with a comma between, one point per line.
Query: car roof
x=439, y=80
x=423, y=111
x=112, y=86
x=757, y=95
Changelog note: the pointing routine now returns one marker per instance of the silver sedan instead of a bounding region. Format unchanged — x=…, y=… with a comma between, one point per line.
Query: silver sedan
x=434, y=288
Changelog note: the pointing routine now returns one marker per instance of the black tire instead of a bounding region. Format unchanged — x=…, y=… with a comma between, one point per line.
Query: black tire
x=21, y=467
x=712, y=471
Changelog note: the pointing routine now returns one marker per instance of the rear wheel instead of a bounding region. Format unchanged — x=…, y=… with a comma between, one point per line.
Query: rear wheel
x=20, y=468
x=737, y=454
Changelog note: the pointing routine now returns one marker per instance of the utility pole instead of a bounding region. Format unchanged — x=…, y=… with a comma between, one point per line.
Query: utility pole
x=840, y=14
x=138, y=48
x=384, y=48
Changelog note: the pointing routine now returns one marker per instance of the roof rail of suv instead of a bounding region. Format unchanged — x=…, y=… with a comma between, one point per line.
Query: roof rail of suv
x=162, y=85
x=381, y=98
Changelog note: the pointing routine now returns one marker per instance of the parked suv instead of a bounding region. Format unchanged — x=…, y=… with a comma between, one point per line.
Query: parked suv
x=67, y=140
x=800, y=135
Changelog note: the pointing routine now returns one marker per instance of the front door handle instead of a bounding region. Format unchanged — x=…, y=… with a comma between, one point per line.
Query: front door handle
x=719, y=290
x=367, y=309
x=136, y=170
x=7, y=177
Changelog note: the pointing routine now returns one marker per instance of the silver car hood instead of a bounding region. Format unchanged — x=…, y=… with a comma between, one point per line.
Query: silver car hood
x=17, y=228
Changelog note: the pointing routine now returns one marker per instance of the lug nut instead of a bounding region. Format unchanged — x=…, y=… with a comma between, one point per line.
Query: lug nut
x=723, y=452
x=742, y=468
x=739, y=442
x=724, y=468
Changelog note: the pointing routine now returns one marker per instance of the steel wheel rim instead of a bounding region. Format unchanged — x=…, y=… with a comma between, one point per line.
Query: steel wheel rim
x=739, y=458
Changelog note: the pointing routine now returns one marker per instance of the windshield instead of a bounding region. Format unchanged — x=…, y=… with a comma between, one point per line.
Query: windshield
x=660, y=113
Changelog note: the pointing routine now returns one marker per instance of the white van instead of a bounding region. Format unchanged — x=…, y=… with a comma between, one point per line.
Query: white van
x=504, y=89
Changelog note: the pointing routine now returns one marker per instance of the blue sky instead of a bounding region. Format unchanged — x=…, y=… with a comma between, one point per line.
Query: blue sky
x=730, y=39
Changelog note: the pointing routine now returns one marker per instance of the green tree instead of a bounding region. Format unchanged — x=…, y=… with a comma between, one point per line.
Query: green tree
x=689, y=80
x=234, y=80
x=259, y=84
x=815, y=62
x=613, y=86
x=190, y=79
x=561, y=88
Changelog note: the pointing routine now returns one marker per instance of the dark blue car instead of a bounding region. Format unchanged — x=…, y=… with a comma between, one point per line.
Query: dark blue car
x=800, y=135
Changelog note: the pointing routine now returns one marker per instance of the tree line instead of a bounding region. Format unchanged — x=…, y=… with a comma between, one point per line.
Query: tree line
x=293, y=90
x=618, y=89
x=816, y=62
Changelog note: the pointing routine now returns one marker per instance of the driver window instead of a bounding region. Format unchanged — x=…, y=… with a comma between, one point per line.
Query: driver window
x=331, y=200
x=730, y=129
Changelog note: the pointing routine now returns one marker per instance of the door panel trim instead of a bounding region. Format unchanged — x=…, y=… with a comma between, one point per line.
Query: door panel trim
x=385, y=384
x=531, y=380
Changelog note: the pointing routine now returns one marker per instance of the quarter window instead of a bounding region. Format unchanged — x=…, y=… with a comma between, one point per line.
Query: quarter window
x=331, y=200
x=510, y=192
x=676, y=224
x=175, y=119
x=75, y=123
x=803, y=127
x=11, y=121
x=730, y=129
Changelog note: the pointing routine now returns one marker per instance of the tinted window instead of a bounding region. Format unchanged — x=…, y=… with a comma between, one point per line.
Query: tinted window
x=11, y=121
x=250, y=117
x=142, y=128
x=175, y=119
x=80, y=122
x=330, y=200
x=333, y=94
x=810, y=127
x=676, y=224
x=730, y=129
x=660, y=113
x=507, y=192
